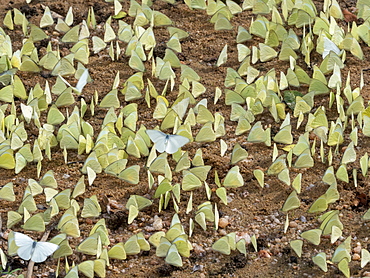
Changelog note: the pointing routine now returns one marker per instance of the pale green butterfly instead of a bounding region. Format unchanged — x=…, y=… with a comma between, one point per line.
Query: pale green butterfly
x=223, y=56
x=320, y=261
x=313, y=236
x=91, y=245
x=7, y=192
x=238, y=154
x=296, y=245
x=132, y=246
x=233, y=178
x=222, y=245
x=91, y=207
x=117, y=252
x=365, y=257
x=292, y=202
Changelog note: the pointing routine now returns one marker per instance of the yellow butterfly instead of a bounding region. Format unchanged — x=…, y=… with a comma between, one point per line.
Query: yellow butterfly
x=233, y=178
x=292, y=202
x=238, y=154
x=7, y=192
x=320, y=261
x=91, y=245
x=296, y=245
x=91, y=207
x=313, y=236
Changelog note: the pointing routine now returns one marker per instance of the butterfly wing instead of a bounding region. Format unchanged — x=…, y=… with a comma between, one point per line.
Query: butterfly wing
x=65, y=81
x=159, y=138
x=175, y=142
x=25, y=245
x=82, y=81
x=43, y=250
x=161, y=145
x=329, y=46
x=156, y=135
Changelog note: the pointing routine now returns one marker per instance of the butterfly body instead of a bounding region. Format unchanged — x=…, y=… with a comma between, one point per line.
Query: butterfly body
x=30, y=249
x=166, y=142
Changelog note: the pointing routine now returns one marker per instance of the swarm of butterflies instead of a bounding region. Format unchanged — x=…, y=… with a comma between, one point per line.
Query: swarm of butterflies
x=246, y=91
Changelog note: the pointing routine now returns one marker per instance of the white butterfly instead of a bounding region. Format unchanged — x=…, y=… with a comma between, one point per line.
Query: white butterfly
x=30, y=249
x=81, y=82
x=166, y=142
x=329, y=46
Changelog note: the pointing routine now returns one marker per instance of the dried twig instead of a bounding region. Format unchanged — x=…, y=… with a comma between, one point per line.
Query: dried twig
x=32, y=263
x=1, y=225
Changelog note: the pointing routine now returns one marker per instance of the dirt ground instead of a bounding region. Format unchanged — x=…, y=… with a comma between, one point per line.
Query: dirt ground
x=252, y=211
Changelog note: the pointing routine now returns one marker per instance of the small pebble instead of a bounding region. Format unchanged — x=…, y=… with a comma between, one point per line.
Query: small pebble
x=275, y=250
x=158, y=223
x=197, y=249
x=303, y=219
x=198, y=267
x=149, y=229
x=356, y=257
x=40, y=206
x=223, y=222
x=357, y=249
x=310, y=186
x=222, y=232
x=5, y=235
x=246, y=237
x=366, y=274
x=89, y=221
x=264, y=254
x=293, y=224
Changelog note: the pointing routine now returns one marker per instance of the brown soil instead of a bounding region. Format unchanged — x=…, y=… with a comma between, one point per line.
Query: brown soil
x=253, y=210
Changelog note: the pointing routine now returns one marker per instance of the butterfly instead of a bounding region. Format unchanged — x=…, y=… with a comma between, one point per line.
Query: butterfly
x=30, y=249
x=81, y=82
x=167, y=142
x=320, y=260
x=329, y=45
